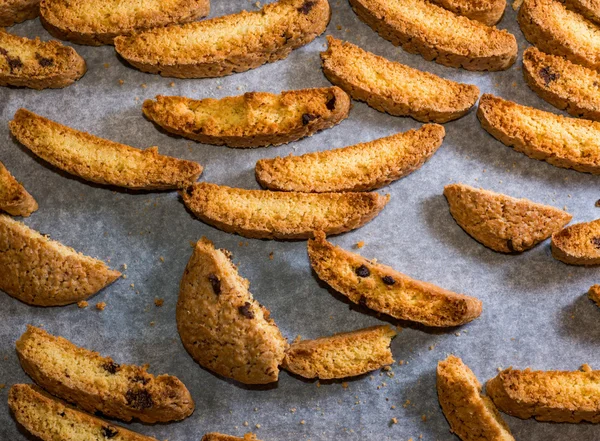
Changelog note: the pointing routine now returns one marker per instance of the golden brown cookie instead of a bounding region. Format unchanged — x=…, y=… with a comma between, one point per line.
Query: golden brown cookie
x=578, y=244
x=14, y=199
x=560, y=141
x=100, y=160
x=49, y=419
x=471, y=415
x=393, y=87
x=228, y=44
x=214, y=436
x=343, y=355
x=37, y=64
x=488, y=12
x=590, y=9
x=99, y=22
x=500, y=222
x=594, y=294
x=221, y=325
x=43, y=272
x=98, y=384
x=263, y=214
x=383, y=289
x=360, y=167
x=558, y=396
x=421, y=27
x=16, y=11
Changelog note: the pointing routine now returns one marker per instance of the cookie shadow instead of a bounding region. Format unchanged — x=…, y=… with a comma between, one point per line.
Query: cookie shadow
x=579, y=320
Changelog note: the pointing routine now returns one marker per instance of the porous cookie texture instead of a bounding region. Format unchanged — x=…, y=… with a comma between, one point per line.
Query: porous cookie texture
x=488, y=12
x=225, y=45
x=43, y=272
x=14, y=199
x=565, y=85
x=16, y=11
x=361, y=167
x=578, y=244
x=254, y=119
x=560, y=141
x=215, y=436
x=590, y=9
x=100, y=160
x=37, y=64
x=383, y=289
x=471, y=415
x=49, y=419
x=393, y=87
x=594, y=294
x=501, y=222
x=221, y=325
x=558, y=396
x=439, y=35
x=263, y=214
x=341, y=355
x=99, y=22
x=97, y=384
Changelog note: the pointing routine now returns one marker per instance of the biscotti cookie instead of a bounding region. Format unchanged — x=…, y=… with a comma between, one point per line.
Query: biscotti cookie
x=383, y=289
x=558, y=396
x=214, y=436
x=421, y=27
x=560, y=141
x=503, y=223
x=100, y=160
x=263, y=214
x=590, y=9
x=229, y=44
x=556, y=30
x=37, y=64
x=99, y=22
x=488, y=12
x=361, y=167
x=254, y=119
x=565, y=85
x=98, y=384
x=393, y=87
x=594, y=294
x=343, y=355
x=14, y=199
x=16, y=11
x=471, y=415
x=221, y=325
x=43, y=272
x=50, y=419
x=578, y=244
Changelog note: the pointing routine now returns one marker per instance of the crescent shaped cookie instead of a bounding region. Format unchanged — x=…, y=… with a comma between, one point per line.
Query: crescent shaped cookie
x=578, y=244
x=488, y=12
x=221, y=325
x=14, y=199
x=100, y=160
x=263, y=214
x=98, y=384
x=360, y=167
x=16, y=11
x=383, y=289
x=395, y=88
x=43, y=272
x=500, y=222
x=225, y=45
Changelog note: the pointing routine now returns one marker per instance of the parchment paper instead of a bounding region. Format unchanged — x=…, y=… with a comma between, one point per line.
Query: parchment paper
x=535, y=311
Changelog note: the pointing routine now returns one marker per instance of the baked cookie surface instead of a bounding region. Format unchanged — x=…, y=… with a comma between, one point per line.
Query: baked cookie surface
x=578, y=244
x=488, y=12
x=14, y=199
x=16, y=11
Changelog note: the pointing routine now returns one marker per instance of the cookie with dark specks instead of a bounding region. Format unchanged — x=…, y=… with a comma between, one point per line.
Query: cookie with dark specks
x=578, y=244
x=14, y=199
x=16, y=11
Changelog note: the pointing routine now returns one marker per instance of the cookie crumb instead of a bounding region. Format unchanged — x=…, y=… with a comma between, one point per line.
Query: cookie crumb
x=359, y=244
x=597, y=204
x=171, y=84
x=271, y=255
x=121, y=82
x=100, y=306
x=302, y=422
x=246, y=423
x=124, y=266
x=161, y=258
x=82, y=304
x=159, y=302
x=144, y=85
x=338, y=27
x=424, y=418
x=257, y=426
x=394, y=421
x=106, y=65
x=345, y=385
x=124, y=276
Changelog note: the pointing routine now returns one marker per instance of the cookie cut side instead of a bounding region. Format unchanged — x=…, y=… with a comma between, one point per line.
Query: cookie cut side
x=590, y=9
x=554, y=29
x=503, y=223
x=383, y=289
x=421, y=27
x=221, y=325
x=393, y=87
x=37, y=64
x=361, y=167
x=565, y=85
x=225, y=45
x=43, y=272
x=14, y=199
x=49, y=419
x=16, y=11
x=343, y=355
x=560, y=141
x=99, y=22
x=578, y=244
x=263, y=214
x=558, y=396
x=471, y=415
x=100, y=160
x=594, y=294
x=255, y=119
x=98, y=384
x=488, y=12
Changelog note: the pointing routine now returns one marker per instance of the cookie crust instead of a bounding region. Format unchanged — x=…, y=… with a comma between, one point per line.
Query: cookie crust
x=14, y=199
x=578, y=244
